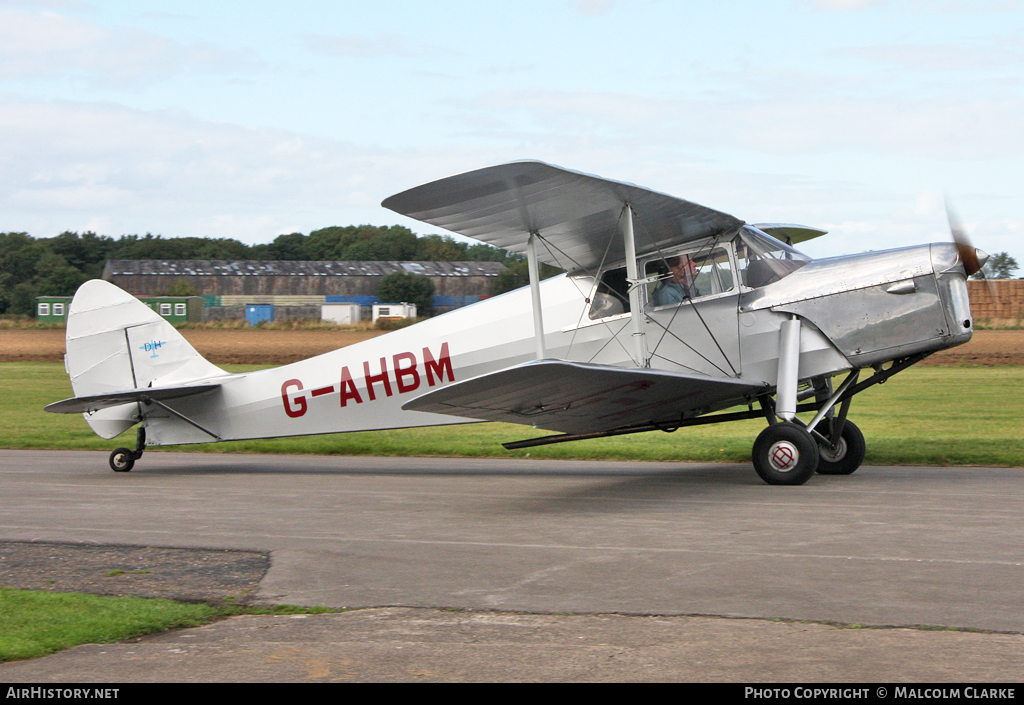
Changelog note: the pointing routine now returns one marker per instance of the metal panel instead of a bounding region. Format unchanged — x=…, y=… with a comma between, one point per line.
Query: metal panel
x=700, y=336
x=823, y=277
x=872, y=324
x=352, y=299
x=455, y=300
x=759, y=344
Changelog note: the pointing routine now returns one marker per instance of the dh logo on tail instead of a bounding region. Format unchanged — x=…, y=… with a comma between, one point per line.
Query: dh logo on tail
x=152, y=346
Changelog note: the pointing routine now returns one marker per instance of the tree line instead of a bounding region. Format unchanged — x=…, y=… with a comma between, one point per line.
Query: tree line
x=57, y=266
x=999, y=266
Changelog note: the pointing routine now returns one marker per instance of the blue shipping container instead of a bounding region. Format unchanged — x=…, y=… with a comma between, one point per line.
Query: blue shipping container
x=254, y=313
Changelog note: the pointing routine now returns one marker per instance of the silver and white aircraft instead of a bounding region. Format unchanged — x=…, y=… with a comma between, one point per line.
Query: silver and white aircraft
x=669, y=314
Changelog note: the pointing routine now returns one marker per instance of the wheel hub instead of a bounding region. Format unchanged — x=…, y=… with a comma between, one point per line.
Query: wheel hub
x=833, y=456
x=783, y=456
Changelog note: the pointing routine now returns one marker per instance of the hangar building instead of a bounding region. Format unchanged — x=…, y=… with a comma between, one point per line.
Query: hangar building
x=297, y=289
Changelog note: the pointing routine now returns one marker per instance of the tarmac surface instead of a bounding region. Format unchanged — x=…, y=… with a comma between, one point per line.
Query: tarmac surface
x=465, y=569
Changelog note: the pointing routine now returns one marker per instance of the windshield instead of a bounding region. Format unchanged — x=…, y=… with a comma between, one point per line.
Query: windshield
x=763, y=259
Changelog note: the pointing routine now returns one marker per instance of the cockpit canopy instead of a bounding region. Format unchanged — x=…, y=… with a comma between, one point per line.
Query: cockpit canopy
x=750, y=259
x=764, y=259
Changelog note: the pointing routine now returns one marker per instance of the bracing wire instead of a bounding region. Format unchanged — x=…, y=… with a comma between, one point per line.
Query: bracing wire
x=549, y=246
x=711, y=244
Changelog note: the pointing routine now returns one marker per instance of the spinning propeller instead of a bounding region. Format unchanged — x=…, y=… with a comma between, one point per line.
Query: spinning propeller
x=973, y=258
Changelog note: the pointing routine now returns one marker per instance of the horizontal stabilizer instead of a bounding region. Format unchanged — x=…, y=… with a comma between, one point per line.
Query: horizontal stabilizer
x=576, y=215
x=575, y=397
x=90, y=404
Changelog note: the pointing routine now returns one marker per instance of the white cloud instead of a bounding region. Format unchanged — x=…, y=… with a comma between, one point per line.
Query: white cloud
x=843, y=5
x=940, y=57
x=70, y=165
x=935, y=128
x=929, y=204
x=51, y=45
x=593, y=8
x=365, y=46
x=66, y=5
x=102, y=166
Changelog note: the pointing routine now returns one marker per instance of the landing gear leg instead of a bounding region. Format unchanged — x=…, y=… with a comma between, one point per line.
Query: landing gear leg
x=840, y=443
x=123, y=459
x=786, y=453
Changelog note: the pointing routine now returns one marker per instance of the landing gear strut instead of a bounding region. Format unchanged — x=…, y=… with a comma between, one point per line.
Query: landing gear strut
x=123, y=459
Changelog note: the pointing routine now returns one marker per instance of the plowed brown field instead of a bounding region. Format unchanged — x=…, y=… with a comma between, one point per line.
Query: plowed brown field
x=279, y=347
x=255, y=346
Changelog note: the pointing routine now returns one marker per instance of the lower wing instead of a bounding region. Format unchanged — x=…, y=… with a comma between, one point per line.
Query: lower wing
x=574, y=397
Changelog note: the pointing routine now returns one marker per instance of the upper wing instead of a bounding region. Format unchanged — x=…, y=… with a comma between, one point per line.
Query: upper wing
x=574, y=397
x=789, y=232
x=576, y=214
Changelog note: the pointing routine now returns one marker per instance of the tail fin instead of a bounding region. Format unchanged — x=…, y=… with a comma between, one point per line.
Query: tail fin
x=117, y=343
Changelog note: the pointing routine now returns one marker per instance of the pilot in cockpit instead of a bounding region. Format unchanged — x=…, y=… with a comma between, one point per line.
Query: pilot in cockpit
x=680, y=284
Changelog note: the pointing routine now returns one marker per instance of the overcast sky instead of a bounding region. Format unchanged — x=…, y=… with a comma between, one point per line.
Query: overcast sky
x=251, y=119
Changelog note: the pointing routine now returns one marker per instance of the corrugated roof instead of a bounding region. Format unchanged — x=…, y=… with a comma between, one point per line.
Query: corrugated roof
x=278, y=268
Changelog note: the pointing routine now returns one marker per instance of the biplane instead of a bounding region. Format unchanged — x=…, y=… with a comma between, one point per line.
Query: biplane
x=669, y=314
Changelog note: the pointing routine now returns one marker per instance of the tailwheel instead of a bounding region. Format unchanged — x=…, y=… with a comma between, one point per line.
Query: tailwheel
x=846, y=456
x=122, y=460
x=785, y=454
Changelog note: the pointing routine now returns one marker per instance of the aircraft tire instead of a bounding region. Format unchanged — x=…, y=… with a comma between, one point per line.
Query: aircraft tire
x=848, y=457
x=785, y=454
x=122, y=460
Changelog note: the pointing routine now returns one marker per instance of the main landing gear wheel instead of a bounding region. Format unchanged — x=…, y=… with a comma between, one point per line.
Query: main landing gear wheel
x=785, y=454
x=122, y=460
x=847, y=456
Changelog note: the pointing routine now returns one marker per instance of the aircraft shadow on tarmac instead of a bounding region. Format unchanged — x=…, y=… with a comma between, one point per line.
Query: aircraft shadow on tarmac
x=692, y=474
x=619, y=487
x=634, y=493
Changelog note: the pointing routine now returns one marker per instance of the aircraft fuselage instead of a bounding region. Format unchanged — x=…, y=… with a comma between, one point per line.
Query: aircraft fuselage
x=857, y=310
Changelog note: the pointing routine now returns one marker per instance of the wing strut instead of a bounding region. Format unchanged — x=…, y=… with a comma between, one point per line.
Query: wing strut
x=633, y=274
x=538, y=317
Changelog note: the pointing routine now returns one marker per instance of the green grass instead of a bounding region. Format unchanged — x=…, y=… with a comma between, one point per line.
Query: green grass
x=923, y=416
x=34, y=624
x=38, y=623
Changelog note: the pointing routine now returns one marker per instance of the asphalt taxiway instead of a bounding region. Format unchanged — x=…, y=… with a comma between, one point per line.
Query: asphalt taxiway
x=594, y=550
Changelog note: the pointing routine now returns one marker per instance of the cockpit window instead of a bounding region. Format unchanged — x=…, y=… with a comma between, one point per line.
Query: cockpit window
x=763, y=260
x=612, y=295
x=682, y=276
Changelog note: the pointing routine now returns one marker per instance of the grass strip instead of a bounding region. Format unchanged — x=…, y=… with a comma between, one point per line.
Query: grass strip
x=38, y=623
x=923, y=416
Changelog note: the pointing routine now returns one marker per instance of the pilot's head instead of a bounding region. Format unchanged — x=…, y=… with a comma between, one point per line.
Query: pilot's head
x=683, y=267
